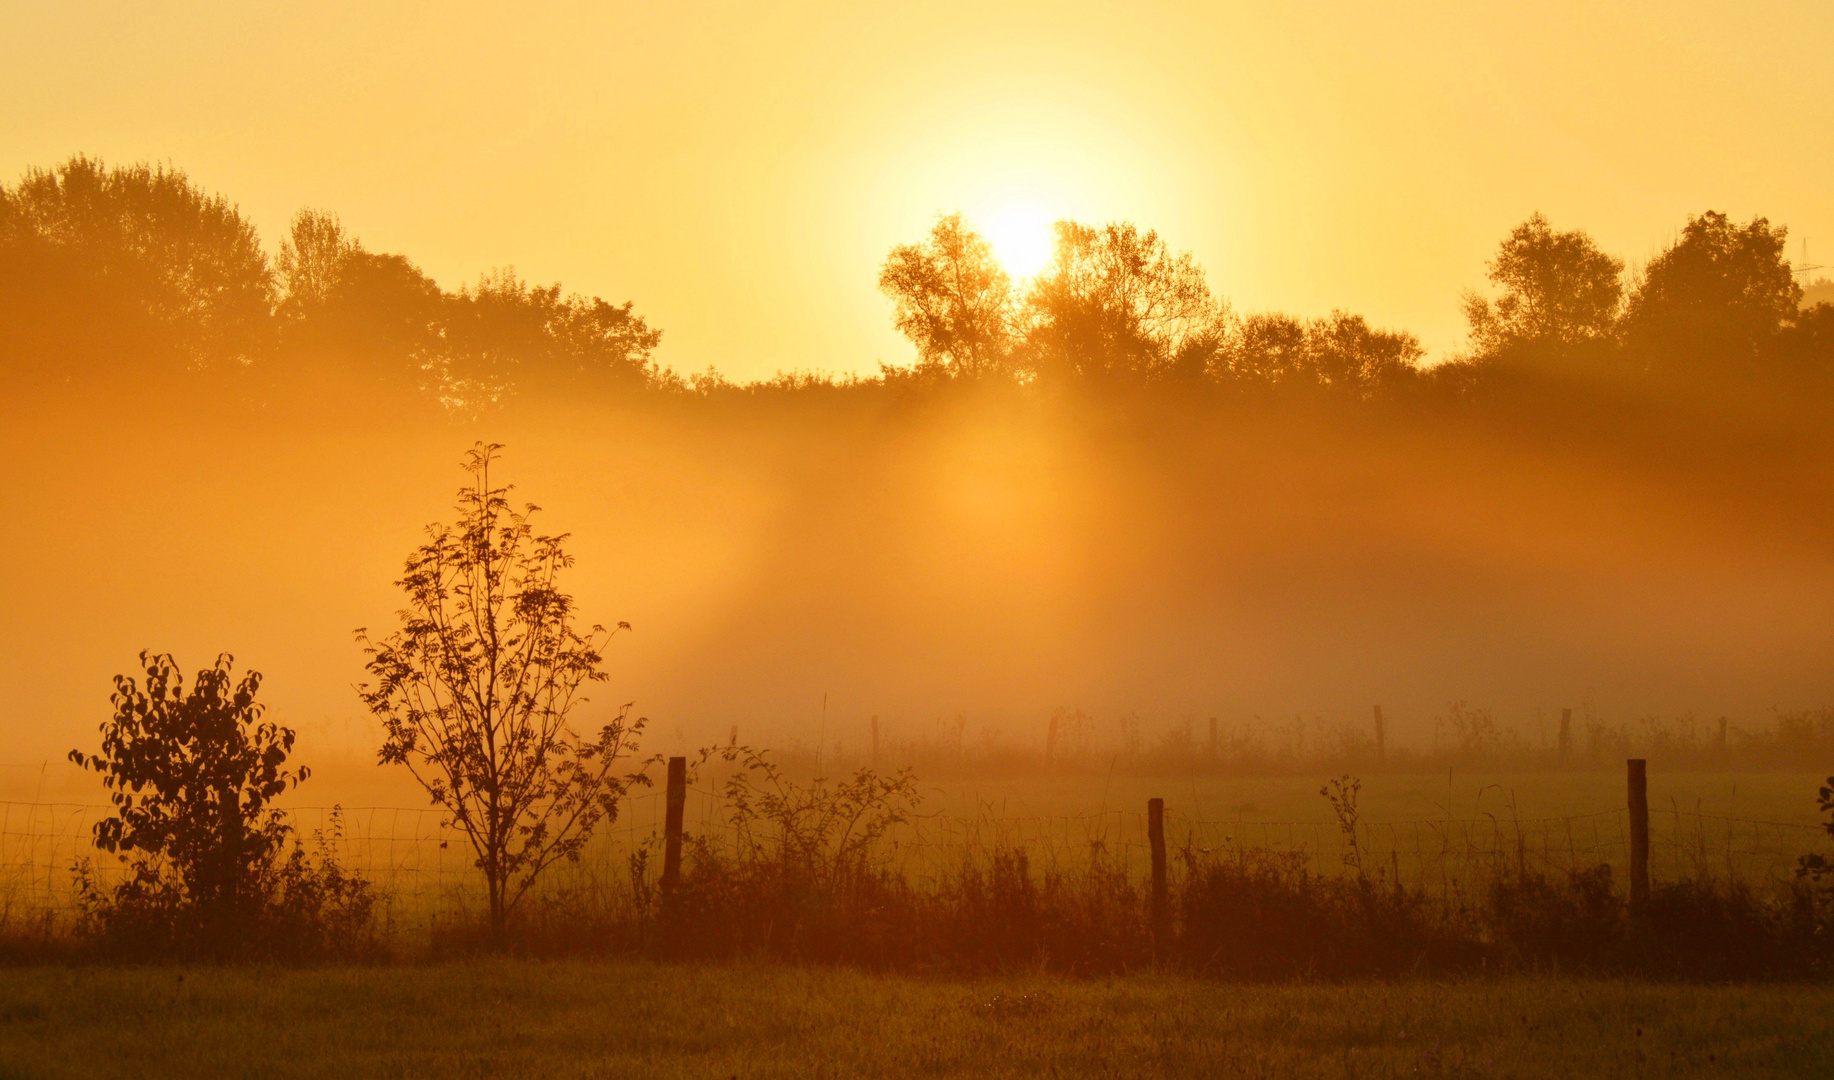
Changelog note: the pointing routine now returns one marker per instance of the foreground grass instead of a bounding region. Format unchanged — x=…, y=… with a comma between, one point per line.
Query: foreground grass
x=559, y=1020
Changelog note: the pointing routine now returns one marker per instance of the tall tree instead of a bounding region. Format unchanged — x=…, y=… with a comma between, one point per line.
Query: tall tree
x=953, y=300
x=1351, y=357
x=1340, y=354
x=1718, y=298
x=144, y=245
x=376, y=318
x=1116, y=304
x=1558, y=290
x=312, y=260
x=505, y=338
x=477, y=689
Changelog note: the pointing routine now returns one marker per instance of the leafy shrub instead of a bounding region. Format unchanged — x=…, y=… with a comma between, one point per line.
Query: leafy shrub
x=1816, y=867
x=207, y=871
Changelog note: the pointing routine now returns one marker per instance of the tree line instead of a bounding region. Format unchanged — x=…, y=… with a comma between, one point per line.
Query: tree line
x=118, y=275
x=1116, y=304
x=134, y=274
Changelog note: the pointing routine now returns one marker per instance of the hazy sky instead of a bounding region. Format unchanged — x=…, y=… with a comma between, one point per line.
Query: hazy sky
x=739, y=170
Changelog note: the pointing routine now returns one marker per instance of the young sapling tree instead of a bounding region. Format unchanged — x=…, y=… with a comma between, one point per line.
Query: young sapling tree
x=477, y=689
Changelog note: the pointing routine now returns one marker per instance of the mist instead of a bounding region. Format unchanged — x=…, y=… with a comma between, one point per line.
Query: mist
x=982, y=555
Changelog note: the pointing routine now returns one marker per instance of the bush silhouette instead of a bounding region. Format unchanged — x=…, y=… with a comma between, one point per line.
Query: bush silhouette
x=192, y=776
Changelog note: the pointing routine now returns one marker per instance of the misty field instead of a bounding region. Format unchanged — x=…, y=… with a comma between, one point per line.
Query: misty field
x=523, y=1019
x=1783, y=795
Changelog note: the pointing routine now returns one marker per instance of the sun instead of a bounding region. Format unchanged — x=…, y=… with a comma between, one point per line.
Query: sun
x=1021, y=237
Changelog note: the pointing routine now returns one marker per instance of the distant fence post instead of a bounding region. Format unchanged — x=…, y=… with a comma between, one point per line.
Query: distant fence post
x=1050, y=741
x=1638, y=770
x=1213, y=740
x=1161, y=910
x=1381, y=738
x=671, y=844
x=1566, y=735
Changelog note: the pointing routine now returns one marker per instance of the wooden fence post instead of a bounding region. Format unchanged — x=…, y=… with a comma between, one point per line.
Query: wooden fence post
x=1381, y=738
x=1566, y=735
x=1161, y=910
x=1050, y=742
x=671, y=843
x=1639, y=832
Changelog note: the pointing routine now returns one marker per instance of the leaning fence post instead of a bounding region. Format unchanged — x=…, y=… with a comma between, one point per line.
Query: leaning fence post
x=1155, y=836
x=671, y=844
x=1639, y=832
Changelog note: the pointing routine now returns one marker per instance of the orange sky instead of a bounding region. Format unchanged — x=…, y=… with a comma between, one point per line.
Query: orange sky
x=739, y=170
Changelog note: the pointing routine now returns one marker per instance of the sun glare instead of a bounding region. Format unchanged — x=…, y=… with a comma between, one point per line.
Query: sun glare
x=1021, y=237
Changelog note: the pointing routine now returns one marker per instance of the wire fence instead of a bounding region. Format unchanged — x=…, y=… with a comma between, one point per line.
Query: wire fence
x=425, y=870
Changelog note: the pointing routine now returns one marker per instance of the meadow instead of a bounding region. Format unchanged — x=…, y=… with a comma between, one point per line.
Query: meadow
x=510, y=1019
x=1782, y=795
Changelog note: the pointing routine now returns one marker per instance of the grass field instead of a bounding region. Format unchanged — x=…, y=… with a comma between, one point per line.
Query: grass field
x=521, y=1019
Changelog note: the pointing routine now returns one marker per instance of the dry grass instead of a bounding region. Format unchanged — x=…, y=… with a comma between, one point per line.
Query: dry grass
x=523, y=1019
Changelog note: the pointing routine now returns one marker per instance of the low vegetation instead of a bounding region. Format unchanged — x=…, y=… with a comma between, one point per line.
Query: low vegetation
x=794, y=876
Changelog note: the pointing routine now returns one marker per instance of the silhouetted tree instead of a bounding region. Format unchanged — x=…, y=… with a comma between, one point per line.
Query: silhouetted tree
x=374, y=317
x=476, y=690
x=1808, y=343
x=1340, y=354
x=192, y=776
x=1269, y=349
x=135, y=254
x=1349, y=356
x=312, y=259
x=953, y=300
x=1717, y=299
x=1115, y=304
x=1558, y=291
x=506, y=338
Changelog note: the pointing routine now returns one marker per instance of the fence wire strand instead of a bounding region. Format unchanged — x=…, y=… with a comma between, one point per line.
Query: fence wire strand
x=424, y=869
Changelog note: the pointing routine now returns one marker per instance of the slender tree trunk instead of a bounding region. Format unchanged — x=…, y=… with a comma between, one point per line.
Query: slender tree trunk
x=494, y=877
